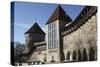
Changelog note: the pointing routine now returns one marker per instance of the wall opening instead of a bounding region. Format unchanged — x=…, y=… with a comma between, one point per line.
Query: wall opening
x=84, y=55
x=68, y=56
x=52, y=59
x=62, y=57
x=79, y=56
x=91, y=54
x=74, y=55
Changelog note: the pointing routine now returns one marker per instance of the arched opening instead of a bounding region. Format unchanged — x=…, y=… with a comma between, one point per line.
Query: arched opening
x=45, y=59
x=79, y=56
x=52, y=59
x=91, y=54
x=74, y=56
x=84, y=55
x=68, y=56
x=63, y=57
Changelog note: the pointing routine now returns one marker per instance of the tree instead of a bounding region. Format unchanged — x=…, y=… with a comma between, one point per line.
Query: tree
x=18, y=50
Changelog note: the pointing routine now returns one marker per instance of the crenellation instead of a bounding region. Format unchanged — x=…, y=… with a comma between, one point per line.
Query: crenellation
x=79, y=20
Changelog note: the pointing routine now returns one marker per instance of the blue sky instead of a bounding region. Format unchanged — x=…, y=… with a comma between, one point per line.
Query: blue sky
x=26, y=13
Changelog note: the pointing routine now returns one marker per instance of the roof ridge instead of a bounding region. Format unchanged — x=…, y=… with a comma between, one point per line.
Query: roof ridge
x=35, y=28
x=58, y=13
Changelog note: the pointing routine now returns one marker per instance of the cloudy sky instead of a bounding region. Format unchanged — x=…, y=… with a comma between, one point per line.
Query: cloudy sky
x=26, y=13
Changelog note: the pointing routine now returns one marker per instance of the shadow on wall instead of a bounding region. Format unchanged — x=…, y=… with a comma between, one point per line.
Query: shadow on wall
x=81, y=56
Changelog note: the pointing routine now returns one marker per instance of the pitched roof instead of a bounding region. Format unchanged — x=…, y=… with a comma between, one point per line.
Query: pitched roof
x=59, y=13
x=35, y=29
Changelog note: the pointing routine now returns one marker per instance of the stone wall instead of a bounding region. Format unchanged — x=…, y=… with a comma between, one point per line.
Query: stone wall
x=80, y=44
x=38, y=56
x=31, y=38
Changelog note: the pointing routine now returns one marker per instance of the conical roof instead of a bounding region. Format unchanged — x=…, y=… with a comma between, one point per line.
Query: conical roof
x=59, y=13
x=35, y=29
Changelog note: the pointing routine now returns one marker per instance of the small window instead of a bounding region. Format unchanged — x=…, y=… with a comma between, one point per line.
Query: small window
x=50, y=26
x=30, y=35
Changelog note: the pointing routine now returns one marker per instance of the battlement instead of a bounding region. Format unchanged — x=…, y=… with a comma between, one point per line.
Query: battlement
x=85, y=14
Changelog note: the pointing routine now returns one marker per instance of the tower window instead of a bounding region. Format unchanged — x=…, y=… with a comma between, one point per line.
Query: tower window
x=52, y=35
x=30, y=35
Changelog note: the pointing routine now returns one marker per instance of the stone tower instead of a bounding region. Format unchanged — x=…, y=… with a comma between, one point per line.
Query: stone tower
x=57, y=21
x=34, y=34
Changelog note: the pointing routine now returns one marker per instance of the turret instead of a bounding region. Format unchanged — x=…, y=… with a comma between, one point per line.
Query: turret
x=32, y=35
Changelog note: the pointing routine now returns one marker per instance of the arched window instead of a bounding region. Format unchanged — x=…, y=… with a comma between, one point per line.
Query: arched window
x=74, y=56
x=91, y=54
x=79, y=56
x=84, y=55
x=68, y=56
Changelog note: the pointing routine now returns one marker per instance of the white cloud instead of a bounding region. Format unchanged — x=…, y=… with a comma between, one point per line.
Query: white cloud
x=27, y=26
x=22, y=25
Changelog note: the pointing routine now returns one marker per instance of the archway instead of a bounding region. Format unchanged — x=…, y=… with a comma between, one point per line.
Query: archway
x=74, y=56
x=68, y=56
x=79, y=56
x=84, y=55
x=63, y=57
x=91, y=54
